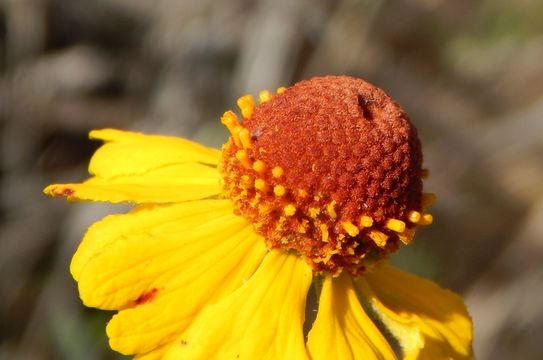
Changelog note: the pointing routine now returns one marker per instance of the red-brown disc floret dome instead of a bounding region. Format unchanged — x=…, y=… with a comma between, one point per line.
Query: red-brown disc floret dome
x=330, y=168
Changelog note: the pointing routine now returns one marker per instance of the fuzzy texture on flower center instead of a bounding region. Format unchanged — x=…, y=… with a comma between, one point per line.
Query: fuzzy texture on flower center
x=330, y=168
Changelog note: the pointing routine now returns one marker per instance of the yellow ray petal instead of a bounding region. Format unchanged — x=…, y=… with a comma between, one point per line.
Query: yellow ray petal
x=130, y=153
x=186, y=281
x=145, y=259
x=342, y=330
x=429, y=322
x=155, y=354
x=261, y=320
x=114, y=227
x=172, y=183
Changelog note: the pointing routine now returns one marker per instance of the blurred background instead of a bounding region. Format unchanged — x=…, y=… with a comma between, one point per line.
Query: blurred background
x=469, y=73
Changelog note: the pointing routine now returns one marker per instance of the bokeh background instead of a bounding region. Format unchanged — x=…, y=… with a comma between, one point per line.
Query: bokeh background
x=470, y=74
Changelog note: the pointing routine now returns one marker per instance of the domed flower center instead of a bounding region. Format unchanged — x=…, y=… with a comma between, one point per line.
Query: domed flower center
x=330, y=168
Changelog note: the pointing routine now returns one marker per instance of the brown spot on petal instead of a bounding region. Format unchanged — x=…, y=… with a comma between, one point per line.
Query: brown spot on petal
x=146, y=297
x=63, y=192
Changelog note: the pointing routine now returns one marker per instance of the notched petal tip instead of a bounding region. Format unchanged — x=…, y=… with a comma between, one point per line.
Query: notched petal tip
x=428, y=321
x=343, y=329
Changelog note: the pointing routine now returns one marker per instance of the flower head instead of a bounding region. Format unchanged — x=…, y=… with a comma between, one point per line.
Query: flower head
x=347, y=184
x=320, y=181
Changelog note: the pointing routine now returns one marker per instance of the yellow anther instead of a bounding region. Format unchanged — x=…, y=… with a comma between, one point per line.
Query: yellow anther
x=235, y=136
x=264, y=209
x=350, y=228
x=302, y=228
x=289, y=210
x=261, y=185
x=279, y=190
x=254, y=202
x=277, y=172
x=428, y=199
x=314, y=212
x=246, y=181
x=425, y=173
x=395, y=225
x=244, y=137
x=242, y=157
x=280, y=224
x=329, y=255
x=330, y=209
x=426, y=219
x=302, y=193
x=246, y=104
x=259, y=166
x=230, y=120
x=281, y=89
x=324, y=232
x=264, y=96
x=366, y=221
x=378, y=238
x=413, y=216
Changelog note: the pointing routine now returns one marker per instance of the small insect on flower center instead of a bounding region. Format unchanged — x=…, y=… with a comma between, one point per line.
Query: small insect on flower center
x=330, y=168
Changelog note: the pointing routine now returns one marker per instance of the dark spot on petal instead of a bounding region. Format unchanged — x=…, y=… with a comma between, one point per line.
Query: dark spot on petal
x=146, y=297
x=64, y=192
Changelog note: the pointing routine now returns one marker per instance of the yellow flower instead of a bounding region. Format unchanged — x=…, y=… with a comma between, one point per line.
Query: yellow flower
x=314, y=189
